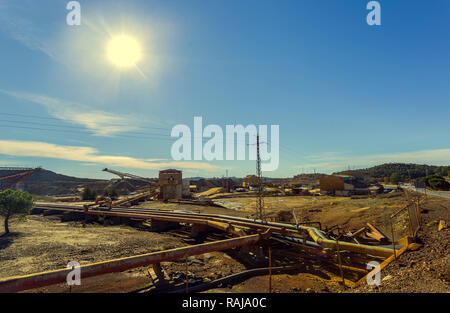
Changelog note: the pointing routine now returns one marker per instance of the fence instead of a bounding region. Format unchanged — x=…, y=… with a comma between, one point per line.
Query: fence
x=406, y=221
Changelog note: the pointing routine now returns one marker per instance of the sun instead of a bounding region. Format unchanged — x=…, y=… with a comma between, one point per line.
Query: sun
x=124, y=51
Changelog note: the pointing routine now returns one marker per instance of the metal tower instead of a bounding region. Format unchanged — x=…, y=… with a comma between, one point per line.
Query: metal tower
x=260, y=199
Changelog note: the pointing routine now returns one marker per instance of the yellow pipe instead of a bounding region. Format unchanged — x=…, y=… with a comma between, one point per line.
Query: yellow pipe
x=358, y=248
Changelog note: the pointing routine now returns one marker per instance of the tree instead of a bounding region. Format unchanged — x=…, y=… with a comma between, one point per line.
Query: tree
x=395, y=178
x=111, y=193
x=89, y=194
x=14, y=202
x=440, y=171
x=435, y=181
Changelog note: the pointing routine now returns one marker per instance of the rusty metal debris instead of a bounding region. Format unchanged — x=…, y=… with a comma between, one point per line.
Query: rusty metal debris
x=351, y=255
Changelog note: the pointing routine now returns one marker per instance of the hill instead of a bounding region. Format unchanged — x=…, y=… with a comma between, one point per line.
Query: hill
x=403, y=170
x=45, y=182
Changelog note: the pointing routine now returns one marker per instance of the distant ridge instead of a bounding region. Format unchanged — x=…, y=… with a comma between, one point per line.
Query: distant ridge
x=45, y=182
x=404, y=170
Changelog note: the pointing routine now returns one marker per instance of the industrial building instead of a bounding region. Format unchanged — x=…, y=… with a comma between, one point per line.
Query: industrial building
x=343, y=185
x=170, y=184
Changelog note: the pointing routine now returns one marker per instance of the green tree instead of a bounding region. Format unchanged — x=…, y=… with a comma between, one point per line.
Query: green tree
x=435, y=181
x=112, y=193
x=440, y=171
x=89, y=194
x=395, y=178
x=14, y=202
x=438, y=183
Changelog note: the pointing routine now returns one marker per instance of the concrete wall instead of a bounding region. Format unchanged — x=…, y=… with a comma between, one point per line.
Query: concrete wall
x=185, y=190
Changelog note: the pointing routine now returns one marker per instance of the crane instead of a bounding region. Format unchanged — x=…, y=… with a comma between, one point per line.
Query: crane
x=18, y=177
x=124, y=177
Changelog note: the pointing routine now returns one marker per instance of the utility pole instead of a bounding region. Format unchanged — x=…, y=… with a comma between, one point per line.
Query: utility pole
x=260, y=199
x=227, y=182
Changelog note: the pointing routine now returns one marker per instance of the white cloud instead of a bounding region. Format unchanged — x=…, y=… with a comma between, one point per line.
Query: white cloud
x=101, y=123
x=331, y=162
x=89, y=155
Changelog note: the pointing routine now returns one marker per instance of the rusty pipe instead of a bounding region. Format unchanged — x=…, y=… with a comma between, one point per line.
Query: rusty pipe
x=357, y=248
x=19, y=283
x=280, y=228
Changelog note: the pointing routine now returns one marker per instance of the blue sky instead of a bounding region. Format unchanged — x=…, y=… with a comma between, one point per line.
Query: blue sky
x=344, y=93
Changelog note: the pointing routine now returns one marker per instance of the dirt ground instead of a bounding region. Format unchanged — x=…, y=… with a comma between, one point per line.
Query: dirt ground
x=428, y=268
x=40, y=243
x=45, y=243
x=348, y=213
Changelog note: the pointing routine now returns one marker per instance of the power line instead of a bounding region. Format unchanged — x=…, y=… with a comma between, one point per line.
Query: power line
x=59, y=119
x=73, y=129
x=108, y=125
x=83, y=132
x=289, y=153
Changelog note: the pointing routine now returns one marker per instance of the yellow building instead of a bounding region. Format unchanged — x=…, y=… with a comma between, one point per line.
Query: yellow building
x=250, y=180
x=331, y=183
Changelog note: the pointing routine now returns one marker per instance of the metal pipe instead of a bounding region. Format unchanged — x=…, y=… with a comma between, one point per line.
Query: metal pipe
x=357, y=248
x=275, y=227
x=14, y=284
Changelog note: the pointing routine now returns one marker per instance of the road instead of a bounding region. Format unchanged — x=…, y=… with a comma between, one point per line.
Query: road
x=443, y=194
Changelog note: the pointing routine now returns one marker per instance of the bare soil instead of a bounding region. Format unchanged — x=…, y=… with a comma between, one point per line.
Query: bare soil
x=44, y=243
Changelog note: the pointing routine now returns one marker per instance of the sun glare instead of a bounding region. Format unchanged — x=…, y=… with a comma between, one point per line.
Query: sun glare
x=124, y=51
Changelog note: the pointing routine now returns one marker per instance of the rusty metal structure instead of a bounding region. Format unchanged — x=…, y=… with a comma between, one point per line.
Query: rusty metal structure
x=15, y=178
x=342, y=251
x=260, y=213
x=124, y=177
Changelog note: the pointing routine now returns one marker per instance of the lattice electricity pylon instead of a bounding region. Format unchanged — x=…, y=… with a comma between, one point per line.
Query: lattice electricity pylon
x=260, y=212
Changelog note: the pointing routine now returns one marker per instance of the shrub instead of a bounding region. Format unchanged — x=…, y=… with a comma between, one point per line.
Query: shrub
x=89, y=194
x=111, y=193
